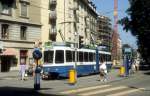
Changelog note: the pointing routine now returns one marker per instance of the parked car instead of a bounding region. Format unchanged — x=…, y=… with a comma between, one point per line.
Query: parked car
x=143, y=65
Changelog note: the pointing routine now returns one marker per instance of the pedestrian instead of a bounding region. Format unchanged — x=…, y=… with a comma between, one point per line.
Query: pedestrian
x=22, y=69
x=133, y=67
x=137, y=62
x=103, y=71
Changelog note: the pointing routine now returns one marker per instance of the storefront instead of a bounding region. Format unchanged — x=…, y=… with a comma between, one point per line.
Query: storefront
x=8, y=59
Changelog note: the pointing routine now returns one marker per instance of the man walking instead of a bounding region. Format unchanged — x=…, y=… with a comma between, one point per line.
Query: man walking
x=103, y=71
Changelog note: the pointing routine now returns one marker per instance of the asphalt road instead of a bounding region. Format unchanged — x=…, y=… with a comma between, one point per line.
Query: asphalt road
x=134, y=85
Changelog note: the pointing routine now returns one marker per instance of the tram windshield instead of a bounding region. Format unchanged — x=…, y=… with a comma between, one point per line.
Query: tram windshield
x=59, y=56
x=48, y=56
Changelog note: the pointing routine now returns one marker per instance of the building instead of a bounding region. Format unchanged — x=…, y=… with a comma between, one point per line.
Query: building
x=104, y=29
x=20, y=27
x=67, y=20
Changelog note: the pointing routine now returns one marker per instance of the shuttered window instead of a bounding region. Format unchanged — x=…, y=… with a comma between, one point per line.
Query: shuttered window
x=24, y=9
x=5, y=31
x=23, y=32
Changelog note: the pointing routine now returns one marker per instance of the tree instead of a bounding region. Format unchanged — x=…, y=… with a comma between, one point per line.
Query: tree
x=138, y=22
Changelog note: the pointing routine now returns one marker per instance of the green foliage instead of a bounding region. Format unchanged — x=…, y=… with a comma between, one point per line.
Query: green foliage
x=138, y=22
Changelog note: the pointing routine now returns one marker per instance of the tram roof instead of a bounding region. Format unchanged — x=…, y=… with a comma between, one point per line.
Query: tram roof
x=69, y=48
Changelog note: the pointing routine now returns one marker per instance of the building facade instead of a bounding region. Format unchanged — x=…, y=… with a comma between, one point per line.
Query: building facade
x=67, y=20
x=20, y=27
x=104, y=29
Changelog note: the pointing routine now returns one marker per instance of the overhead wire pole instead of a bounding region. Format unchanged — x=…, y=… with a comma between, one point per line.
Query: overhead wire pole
x=115, y=33
x=76, y=33
x=73, y=72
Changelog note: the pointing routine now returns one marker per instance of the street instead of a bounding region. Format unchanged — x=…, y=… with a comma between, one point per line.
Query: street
x=135, y=85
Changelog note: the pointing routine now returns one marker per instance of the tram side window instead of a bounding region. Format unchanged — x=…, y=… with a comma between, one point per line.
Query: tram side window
x=94, y=57
x=80, y=56
x=109, y=57
x=73, y=56
x=91, y=57
x=105, y=57
x=68, y=56
x=59, y=57
x=48, y=56
x=86, y=57
x=102, y=57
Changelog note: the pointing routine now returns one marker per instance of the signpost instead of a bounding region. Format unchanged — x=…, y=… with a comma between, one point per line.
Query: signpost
x=37, y=54
x=127, y=53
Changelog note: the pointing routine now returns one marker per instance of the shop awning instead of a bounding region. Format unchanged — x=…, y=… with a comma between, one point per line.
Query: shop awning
x=9, y=52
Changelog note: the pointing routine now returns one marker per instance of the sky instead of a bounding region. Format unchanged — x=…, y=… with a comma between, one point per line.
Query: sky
x=105, y=7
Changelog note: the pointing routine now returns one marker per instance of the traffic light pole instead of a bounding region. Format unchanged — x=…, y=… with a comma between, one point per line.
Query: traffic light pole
x=37, y=55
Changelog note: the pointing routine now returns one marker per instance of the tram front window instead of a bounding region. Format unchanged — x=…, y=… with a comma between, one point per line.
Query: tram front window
x=48, y=56
x=59, y=57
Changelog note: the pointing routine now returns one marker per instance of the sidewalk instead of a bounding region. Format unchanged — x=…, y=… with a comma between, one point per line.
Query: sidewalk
x=11, y=74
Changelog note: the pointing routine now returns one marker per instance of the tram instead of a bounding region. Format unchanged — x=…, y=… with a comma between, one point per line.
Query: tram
x=58, y=60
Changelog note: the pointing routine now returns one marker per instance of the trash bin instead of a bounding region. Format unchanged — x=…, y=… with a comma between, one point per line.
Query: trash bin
x=122, y=71
x=72, y=76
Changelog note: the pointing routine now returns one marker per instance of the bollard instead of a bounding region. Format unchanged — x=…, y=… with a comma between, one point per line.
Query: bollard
x=72, y=76
x=37, y=78
x=122, y=71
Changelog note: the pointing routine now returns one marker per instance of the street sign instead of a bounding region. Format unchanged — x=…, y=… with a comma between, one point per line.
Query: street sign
x=37, y=54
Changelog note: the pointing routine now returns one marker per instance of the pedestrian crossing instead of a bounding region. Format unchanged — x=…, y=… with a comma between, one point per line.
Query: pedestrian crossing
x=102, y=90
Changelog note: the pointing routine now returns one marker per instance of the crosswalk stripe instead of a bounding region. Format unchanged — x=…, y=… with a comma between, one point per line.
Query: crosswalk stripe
x=84, y=89
x=126, y=92
x=102, y=91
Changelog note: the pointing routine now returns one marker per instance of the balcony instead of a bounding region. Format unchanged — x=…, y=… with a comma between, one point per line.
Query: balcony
x=53, y=2
x=52, y=15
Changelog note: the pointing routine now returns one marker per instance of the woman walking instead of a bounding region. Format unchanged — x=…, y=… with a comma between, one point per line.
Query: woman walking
x=22, y=69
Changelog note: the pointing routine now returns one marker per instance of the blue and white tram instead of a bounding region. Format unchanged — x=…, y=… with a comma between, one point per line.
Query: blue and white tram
x=58, y=60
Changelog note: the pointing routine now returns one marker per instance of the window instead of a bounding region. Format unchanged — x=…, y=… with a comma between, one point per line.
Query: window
x=86, y=57
x=73, y=56
x=48, y=56
x=5, y=7
x=24, y=9
x=102, y=57
x=94, y=57
x=80, y=56
x=91, y=57
x=68, y=56
x=109, y=58
x=5, y=31
x=59, y=57
x=23, y=32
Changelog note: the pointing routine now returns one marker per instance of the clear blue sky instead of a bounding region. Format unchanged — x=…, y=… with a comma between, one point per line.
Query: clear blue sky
x=105, y=7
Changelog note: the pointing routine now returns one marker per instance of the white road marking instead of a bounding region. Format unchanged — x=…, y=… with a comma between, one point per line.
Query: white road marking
x=126, y=92
x=102, y=91
x=84, y=89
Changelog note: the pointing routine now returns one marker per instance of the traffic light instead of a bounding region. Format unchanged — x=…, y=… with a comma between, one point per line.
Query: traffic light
x=81, y=41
